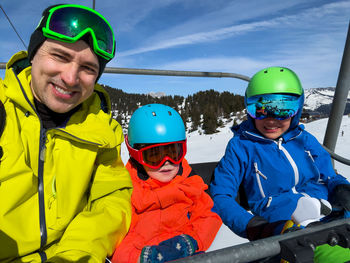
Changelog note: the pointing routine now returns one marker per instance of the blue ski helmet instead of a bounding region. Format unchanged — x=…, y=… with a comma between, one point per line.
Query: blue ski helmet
x=155, y=123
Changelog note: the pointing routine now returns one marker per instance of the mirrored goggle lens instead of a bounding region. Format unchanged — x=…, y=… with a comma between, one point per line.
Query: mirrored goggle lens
x=70, y=22
x=278, y=106
x=155, y=155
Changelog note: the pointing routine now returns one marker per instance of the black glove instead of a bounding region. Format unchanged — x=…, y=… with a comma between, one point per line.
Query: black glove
x=342, y=196
x=258, y=227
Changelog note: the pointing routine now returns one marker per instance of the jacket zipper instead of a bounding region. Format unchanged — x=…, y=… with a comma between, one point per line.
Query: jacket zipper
x=290, y=159
x=310, y=155
x=258, y=174
x=77, y=138
x=319, y=180
x=42, y=151
x=42, y=139
x=292, y=163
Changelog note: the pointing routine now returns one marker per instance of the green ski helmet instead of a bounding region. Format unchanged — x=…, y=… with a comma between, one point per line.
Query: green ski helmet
x=274, y=80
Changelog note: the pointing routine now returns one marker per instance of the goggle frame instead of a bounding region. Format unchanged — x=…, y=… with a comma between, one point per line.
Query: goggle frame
x=138, y=154
x=50, y=33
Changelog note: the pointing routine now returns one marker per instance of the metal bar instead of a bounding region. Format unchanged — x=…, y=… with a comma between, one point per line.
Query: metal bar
x=255, y=250
x=177, y=73
x=337, y=157
x=340, y=99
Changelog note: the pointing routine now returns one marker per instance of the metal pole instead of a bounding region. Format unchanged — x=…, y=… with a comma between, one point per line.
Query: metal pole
x=175, y=73
x=260, y=249
x=340, y=98
x=93, y=4
x=337, y=157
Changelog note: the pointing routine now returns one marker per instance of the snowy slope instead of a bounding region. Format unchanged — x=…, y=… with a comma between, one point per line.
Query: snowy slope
x=209, y=148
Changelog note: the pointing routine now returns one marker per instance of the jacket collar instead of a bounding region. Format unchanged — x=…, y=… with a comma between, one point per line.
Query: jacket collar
x=247, y=129
x=17, y=81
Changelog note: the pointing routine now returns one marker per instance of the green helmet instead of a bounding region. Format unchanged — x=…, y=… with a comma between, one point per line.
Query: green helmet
x=274, y=80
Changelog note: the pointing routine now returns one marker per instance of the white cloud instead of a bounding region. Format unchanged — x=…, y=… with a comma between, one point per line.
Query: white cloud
x=309, y=19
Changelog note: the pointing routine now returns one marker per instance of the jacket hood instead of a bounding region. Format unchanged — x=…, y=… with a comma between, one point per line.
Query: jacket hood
x=18, y=61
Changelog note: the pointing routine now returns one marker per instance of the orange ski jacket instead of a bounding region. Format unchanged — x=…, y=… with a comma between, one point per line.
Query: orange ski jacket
x=160, y=212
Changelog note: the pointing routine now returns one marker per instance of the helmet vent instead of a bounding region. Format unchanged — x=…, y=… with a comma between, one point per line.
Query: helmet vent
x=169, y=113
x=265, y=71
x=281, y=69
x=153, y=113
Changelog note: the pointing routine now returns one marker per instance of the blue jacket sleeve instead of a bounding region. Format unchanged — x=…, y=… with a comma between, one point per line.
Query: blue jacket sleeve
x=224, y=188
x=323, y=162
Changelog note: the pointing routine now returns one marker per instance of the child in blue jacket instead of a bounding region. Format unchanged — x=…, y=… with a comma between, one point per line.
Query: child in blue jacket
x=285, y=171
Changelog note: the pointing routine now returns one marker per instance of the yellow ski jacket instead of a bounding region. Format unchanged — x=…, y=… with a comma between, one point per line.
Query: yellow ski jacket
x=64, y=192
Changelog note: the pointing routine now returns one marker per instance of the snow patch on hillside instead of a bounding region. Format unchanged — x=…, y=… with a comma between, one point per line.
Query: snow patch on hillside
x=314, y=98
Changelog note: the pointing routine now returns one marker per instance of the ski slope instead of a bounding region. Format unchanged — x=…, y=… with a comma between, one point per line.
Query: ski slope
x=210, y=148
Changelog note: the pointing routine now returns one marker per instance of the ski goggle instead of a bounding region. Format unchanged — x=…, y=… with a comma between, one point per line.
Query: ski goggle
x=69, y=23
x=155, y=155
x=277, y=106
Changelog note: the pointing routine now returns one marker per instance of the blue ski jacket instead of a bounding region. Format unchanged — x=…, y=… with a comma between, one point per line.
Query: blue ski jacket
x=274, y=174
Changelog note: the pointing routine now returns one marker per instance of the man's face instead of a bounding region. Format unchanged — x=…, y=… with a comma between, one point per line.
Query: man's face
x=63, y=74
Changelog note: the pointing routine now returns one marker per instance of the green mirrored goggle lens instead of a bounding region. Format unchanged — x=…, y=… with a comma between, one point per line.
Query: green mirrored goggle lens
x=69, y=23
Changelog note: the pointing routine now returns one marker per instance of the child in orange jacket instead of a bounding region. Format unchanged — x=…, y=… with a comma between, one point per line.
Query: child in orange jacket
x=171, y=213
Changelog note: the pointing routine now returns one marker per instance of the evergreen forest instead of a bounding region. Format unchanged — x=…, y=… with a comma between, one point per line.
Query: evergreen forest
x=204, y=110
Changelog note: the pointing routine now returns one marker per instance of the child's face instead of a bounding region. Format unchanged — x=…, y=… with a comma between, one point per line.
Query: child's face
x=272, y=128
x=164, y=174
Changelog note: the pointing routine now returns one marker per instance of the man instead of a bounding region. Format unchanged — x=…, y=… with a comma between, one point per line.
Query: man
x=64, y=191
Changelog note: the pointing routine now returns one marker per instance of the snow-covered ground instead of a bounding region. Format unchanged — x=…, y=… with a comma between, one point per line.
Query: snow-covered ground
x=209, y=148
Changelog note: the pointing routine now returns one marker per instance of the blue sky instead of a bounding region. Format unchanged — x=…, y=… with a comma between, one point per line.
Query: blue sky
x=238, y=36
